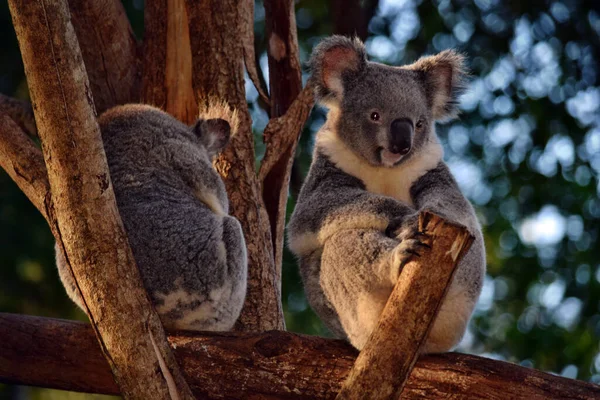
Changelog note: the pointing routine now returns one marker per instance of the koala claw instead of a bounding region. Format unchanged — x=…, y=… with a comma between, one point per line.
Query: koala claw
x=403, y=253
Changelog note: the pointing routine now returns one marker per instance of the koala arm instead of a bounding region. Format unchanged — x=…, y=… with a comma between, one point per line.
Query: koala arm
x=437, y=191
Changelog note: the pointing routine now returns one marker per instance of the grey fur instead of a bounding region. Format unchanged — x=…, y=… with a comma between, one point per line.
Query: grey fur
x=190, y=253
x=355, y=222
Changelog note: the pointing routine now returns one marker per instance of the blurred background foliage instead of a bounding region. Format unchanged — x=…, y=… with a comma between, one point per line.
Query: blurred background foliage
x=526, y=151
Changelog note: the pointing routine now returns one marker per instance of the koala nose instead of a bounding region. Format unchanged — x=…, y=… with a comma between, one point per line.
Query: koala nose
x=401, y=136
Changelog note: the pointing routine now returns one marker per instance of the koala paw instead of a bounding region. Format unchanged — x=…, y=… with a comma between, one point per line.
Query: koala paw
x=411, y=244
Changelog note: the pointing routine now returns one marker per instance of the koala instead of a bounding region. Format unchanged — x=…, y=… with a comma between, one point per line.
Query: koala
x=377, y=162
x=191, y=254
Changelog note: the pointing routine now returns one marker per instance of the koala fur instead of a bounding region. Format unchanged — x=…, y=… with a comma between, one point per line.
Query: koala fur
x=377, y=162
x=191, y=254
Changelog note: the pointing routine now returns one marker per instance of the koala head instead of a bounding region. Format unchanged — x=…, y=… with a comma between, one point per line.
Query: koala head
x=385, y=114
x=213, y=134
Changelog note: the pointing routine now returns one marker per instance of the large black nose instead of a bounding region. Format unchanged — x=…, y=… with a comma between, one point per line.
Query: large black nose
x=401, y=134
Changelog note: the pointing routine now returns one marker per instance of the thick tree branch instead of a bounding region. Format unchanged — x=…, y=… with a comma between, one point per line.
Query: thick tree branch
x=385, y=363
x=24, y=163
x=21, y=112
x=222, y=77
x=274, y=365
x=109, y=50
x=167, y=69
x=285, y=81
x=250, y=60
x=87, y=227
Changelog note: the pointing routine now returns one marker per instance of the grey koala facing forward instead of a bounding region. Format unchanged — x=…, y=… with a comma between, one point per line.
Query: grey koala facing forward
x=191, y=254
x=377, y=162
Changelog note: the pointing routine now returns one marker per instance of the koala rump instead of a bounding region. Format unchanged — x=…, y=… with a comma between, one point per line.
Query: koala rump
x=191, y=254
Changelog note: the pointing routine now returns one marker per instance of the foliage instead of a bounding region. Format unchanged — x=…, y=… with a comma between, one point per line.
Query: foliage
x=526, y=151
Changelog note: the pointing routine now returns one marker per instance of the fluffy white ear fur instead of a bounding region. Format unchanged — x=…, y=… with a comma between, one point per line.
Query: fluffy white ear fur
x=332, y=59
x=444, y=75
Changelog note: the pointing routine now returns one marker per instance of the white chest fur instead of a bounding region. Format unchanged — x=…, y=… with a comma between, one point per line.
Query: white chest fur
x=394, y=182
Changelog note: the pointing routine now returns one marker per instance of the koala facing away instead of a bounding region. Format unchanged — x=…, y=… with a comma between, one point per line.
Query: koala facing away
x=191, y=254
x=377, y=162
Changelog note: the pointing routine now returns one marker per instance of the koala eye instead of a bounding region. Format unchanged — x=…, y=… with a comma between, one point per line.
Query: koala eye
x=375, y=116
x=420, y=124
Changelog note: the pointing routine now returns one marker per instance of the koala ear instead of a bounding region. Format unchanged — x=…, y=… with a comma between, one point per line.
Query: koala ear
x=332, y=60
x=445, y=76
x=213, y=133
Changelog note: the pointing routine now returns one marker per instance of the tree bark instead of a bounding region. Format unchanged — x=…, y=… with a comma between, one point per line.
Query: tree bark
x=270, y=365
x=24, y=163
x=285, y=81
x=218, y=74
x=385, y=363
x=87, y=227
x=167, y=69
x=21, y=112
x=109, y=50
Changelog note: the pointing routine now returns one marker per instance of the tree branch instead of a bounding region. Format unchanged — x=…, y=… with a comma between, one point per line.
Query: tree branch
x=167, y=70
x=276, y=365
x=109, y=50
x=247, y=24
x=385, y=363
x=223, y=78
x=285, y=81
x=88, y=227
x=21, y=112
x=24, y=163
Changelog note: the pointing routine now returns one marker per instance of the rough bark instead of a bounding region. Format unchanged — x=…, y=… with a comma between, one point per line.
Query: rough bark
x=385, y=363
x=87, y=226
x=270, y=365
x=24, y=163
x=109, y=51
x=223, y=78
x=285, y=81
x=167, y=69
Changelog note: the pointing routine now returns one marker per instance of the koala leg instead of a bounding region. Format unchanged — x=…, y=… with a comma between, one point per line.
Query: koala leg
x=67, y=278
x=357, y=276
x=237, y=266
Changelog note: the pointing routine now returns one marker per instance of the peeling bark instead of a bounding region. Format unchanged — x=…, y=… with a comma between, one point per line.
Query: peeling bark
x=87, y=225
x=270, y=365
x=385, y=363
x=218, y=74
x=167, y=69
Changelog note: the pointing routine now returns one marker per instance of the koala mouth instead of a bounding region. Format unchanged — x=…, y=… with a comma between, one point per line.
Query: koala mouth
x=391, y=159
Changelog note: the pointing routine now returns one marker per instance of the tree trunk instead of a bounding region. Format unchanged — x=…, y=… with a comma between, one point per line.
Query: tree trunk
x=218, y=75
x=87, y=225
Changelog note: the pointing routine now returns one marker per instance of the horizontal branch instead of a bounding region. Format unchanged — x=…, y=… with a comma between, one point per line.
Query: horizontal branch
x=64, y=355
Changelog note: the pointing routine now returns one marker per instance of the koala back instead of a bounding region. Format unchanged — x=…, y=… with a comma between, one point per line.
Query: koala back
x=190, y=253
